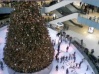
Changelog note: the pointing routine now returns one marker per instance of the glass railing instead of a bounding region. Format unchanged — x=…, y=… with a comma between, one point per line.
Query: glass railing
x=56, y=6
x=94, y=18
x=92, y=2
x=81, y=50
x=84, y=20
x=65, y=18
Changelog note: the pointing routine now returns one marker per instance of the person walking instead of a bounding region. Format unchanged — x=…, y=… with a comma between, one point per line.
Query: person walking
x=82, y=42
x=92, y=51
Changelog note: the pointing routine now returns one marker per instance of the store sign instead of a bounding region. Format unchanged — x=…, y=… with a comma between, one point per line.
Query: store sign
x=91, y=29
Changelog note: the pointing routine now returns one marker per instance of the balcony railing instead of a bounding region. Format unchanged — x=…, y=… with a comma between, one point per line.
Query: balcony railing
x=90, y=22
x=92, y=2
x=94, y=18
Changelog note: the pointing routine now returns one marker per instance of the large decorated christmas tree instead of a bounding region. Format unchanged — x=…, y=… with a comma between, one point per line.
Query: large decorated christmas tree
x=28, y=46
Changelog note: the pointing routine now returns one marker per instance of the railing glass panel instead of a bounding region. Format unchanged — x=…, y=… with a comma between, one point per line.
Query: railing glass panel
x=84, y=20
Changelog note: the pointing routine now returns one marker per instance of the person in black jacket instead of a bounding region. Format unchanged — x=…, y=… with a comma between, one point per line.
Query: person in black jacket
x=1, y=65
x=67, y=72
x=56, y=67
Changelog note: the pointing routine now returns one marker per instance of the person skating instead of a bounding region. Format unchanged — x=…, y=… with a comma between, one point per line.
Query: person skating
x=74, y=58
x=58, y=47
x=56, y=67
x=66, y=58
x=69, y=57
x=1, y=65
x=57, y=59
x=70, y=40
x=87, y=68
x=67, y=72
x=67, y=48
x=61, y=59
x=62, y=67
x=80, y=63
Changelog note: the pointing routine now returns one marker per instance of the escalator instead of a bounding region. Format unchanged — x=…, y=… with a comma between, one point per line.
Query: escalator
x=75, y=24
x=64, y=11
x=68, y=9
x=65, y=18
x=55, y=6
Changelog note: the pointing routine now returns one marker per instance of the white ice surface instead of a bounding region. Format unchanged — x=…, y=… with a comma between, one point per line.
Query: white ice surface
x=52, y=34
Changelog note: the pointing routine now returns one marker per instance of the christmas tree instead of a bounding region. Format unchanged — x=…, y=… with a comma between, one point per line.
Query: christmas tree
x=28, y=46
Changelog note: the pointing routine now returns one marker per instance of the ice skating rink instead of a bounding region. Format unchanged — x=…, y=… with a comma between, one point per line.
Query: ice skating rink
x=69, y=63
x=66, y=64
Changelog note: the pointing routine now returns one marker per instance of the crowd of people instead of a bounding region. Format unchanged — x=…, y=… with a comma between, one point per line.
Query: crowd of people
x=86, y=8
x=28, y=46
x=68, y=61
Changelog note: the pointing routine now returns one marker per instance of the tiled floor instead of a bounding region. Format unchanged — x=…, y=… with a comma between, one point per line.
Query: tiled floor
x=90, y=40
x=84, y=31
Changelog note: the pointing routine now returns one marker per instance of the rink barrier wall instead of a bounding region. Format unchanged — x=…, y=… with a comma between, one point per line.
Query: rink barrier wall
x=82, y=54
x=3, y=28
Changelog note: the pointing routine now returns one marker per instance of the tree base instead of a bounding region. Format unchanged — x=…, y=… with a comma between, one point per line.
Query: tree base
x=44, y=71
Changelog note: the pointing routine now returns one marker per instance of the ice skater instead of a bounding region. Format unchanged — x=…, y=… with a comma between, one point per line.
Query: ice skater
x=80, y=63
x=1, y=65
x=87, y=68
x=67, y=72
x=56, y=67
x=67, y=49
x=58, y=47
x=62, y=67
x=66, y=58
x=70, y=40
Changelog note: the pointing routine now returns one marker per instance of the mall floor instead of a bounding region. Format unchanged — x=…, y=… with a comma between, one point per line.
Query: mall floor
x=90, y=40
